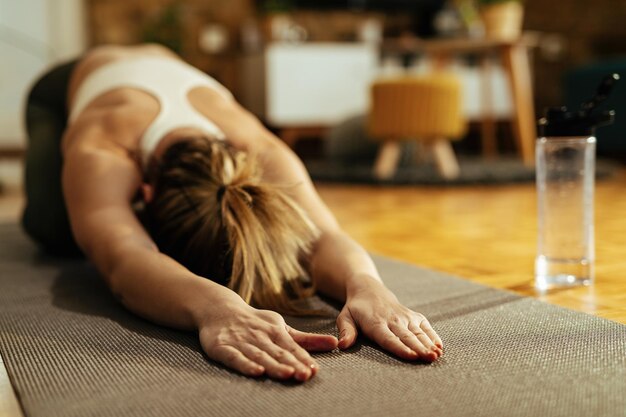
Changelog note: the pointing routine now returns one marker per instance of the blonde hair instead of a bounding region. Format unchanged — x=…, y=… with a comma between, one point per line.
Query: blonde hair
x=212, y=212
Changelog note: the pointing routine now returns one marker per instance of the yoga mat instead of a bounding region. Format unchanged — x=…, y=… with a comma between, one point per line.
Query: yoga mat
x=71, y=350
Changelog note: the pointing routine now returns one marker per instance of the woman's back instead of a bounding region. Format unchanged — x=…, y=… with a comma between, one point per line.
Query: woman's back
x=126, y=111
x=129, y=106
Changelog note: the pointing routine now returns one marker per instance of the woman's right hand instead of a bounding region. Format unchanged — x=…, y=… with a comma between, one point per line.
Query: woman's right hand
x=256, y=342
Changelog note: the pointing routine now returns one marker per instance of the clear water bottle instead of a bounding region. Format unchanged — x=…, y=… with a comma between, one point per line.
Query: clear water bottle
x=565, y=165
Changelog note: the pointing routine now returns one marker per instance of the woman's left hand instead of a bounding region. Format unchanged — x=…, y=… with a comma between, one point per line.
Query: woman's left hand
x=376, y=311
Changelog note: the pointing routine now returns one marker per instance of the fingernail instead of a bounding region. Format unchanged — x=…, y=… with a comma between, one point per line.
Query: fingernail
x=303, y=374
x=288, y=372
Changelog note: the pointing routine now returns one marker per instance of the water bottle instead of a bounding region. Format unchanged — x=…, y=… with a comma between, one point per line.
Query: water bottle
x=565, y=166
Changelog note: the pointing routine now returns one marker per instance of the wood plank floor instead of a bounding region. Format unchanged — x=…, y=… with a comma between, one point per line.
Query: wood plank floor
x=485, y=234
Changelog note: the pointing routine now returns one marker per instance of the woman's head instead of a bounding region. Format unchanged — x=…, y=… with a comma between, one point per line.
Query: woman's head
x=213, y=214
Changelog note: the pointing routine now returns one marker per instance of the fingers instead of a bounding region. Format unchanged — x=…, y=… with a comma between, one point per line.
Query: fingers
x=258, y=341
x=429, y=344
x=347, y=329
x=417, y=342
x=313, y=342
x=382, y=335
x=426, y=327
x=233, y=358
x=273, y=368
x=281, y=355
x=297, y=357
x=427, y=335
x=303, y=368
x=265, y=356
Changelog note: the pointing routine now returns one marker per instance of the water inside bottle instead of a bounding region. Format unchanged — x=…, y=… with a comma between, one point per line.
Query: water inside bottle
x=559, y=272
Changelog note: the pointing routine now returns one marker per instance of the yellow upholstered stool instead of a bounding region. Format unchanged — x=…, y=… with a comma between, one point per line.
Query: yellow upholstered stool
x=426, y=108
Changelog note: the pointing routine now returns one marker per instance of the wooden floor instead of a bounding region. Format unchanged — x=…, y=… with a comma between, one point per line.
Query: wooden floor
x=486, y=234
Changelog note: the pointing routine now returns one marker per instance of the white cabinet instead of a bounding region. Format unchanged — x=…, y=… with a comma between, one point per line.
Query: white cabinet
x=311, y=84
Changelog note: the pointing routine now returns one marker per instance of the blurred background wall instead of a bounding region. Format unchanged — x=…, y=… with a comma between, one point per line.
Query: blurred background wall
x=33, y=35
x=578, y=31
x=214, y=34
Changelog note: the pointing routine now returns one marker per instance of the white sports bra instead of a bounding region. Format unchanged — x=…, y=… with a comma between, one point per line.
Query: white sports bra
x=168, y=80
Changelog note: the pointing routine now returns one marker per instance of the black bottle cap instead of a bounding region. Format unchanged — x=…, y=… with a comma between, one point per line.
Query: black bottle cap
x=558, y=121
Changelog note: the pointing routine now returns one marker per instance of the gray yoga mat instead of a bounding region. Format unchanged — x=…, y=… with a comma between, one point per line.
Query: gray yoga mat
x=71, y=350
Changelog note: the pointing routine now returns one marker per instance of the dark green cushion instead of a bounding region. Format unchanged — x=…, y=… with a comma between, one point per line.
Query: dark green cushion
x=580, y=84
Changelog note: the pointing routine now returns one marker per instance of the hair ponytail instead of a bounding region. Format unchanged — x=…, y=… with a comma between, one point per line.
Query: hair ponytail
x=213, y=214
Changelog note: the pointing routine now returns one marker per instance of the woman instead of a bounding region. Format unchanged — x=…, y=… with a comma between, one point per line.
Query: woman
x=223, y=199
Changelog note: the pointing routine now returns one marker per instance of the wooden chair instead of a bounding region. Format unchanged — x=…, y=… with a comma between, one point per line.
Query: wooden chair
x=426, y=108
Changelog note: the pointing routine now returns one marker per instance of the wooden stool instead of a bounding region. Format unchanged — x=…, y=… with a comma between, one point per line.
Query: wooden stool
x=422, y=107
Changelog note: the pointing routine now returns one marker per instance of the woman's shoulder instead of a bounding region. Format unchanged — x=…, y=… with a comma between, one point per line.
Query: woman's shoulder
x=102, y=55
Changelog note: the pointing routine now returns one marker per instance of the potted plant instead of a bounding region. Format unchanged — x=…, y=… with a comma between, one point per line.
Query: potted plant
x=502, y=18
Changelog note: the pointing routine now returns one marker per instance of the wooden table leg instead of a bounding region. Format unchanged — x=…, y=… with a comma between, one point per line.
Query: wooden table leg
x=516, y=63
x=487, y=123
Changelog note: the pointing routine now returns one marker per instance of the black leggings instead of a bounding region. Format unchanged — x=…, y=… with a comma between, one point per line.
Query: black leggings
x=45, y=216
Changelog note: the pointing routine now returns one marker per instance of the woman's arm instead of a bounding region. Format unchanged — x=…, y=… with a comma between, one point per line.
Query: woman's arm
x=342, y=269
x=99, y=184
